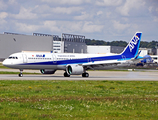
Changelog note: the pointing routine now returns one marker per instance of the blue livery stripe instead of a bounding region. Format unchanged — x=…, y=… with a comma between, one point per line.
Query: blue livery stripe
x=80, y=61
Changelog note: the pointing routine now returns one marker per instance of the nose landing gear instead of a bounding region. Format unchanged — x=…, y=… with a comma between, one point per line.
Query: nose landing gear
x=20, y=74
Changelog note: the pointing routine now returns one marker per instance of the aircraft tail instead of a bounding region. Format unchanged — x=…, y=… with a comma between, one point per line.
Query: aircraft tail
x=132, y=48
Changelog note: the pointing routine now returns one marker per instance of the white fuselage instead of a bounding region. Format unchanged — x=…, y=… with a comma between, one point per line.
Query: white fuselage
x=55, y=61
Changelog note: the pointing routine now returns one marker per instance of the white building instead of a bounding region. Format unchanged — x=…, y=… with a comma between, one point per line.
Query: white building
x=98, y=49
x=104, y=49
x=58, y=47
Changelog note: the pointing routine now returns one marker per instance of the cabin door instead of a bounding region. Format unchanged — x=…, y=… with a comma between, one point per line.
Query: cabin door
x=54, y=58
x=88, y=59
x=24, y=58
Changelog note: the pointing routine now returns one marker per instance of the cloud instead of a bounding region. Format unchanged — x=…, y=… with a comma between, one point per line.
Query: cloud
x=130, y=5
x=90, y=27
x=46, y=9
x=155, y=19
x=99, y=12
x=43, y=9
x=3, y=24
x=109, y=2
x=3, y=15
x=51, y=25
x=108, y=14
x=66, y=10
x=97, y=19
x=23, y=27
x=120, y=27
x=74, y=27
x=25, y=14
x=3, y=6
x=84, y=16
x=153, y=9
x=12, y=2
x=69, y=2
x=3, y=21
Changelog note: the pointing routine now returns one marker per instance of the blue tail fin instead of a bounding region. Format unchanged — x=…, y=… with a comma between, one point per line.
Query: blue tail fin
x=133, y=46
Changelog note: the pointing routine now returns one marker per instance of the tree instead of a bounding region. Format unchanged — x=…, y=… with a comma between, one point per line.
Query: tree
x=143, y=44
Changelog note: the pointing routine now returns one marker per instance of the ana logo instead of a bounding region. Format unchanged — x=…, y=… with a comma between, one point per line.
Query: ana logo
x=133, y=43
x=40, y=55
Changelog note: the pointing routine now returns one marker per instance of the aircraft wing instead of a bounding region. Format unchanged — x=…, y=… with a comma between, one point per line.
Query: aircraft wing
x=102, y=65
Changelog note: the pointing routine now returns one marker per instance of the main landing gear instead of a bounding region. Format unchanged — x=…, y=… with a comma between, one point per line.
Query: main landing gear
x=66, y=75
x=83, y=74
x=20, y=74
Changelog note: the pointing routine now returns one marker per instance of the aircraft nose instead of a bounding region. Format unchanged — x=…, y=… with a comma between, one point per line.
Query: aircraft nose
x=5, y=63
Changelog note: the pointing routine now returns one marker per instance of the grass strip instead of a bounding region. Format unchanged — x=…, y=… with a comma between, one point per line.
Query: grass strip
x=78, y=100
x=3, y=67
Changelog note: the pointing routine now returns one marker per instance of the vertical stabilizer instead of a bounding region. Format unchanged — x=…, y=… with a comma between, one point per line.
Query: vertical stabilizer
x=133, y=46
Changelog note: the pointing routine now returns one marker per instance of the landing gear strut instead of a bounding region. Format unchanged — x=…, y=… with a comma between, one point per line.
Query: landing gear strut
x=85, y=74
x=20, y=75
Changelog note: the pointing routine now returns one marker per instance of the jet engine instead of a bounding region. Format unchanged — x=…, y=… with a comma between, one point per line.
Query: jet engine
x=74, y=69
x=47, y=71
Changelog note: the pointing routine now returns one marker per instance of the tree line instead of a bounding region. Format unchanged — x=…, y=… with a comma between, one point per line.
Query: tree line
x=143, y=44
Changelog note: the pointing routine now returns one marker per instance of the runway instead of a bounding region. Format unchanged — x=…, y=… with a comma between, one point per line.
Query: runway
x=93, y=75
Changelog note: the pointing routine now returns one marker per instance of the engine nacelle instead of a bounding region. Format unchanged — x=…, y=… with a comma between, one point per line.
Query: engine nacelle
x=47, y=71
x=74, y=69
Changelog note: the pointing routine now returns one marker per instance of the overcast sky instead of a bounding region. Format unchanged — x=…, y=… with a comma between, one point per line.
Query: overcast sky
x=96, y=19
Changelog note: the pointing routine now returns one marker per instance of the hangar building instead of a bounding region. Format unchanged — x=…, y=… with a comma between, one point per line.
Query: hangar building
x=12, y=42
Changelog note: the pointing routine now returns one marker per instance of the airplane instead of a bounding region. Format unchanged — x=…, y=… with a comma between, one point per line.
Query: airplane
x=72, y=63
x=147, y=59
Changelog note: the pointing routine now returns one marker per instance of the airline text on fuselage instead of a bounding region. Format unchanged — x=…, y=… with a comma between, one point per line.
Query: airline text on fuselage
x=40, y=55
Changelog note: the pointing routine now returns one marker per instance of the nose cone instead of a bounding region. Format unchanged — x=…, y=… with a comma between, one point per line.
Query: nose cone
x=6, y=63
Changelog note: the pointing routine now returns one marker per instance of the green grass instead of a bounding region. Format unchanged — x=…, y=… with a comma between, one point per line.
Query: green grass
x=3, y=67
x=79, y=100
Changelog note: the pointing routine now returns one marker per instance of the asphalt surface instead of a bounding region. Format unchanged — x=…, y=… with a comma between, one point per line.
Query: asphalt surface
x=138, y=75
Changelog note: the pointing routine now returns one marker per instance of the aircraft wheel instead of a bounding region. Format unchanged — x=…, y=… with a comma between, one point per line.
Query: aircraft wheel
x=85, y=75
x=20, y=75
x=66, y=75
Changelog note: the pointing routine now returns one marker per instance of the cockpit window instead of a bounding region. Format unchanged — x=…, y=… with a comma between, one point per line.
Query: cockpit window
x=12, y=57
